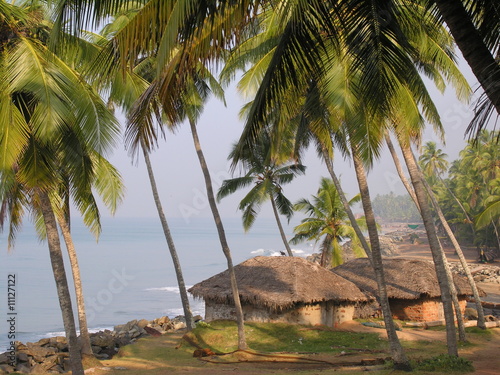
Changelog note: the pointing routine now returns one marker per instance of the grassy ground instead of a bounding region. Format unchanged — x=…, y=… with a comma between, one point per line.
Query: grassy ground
x=280, y=348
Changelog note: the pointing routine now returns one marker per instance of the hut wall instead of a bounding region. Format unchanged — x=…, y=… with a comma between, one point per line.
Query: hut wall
x=420, y=310
x=325, y=313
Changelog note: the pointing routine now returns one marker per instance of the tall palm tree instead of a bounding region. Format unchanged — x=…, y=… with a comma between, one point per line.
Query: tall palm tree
x=267, y=174
x=124, y=92
x=462, y=336
x=48, y=114
x=152, y=107
x=326, y=222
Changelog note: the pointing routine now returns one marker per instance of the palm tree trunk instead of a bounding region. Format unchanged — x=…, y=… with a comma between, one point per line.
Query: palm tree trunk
x=474, y=50
x=170, y=242
x=86, y=347
x=435, y=247
x=398, y=355
x=345, y=203
x=242, y=344
x=326, y=253
x=57, y=262
x=280, y=227
x=399, y=169
x=463, y=262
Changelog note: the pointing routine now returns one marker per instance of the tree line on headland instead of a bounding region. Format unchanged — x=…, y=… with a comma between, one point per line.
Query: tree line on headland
x=334, y=75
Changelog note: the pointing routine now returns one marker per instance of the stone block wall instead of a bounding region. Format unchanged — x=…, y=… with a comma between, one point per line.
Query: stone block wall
x=326, y=313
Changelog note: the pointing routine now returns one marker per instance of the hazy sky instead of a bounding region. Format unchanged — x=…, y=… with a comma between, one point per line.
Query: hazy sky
x=179, y=175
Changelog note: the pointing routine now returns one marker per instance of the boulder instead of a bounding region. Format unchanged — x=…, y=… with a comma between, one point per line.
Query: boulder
x=4, y=358
x=101, y=339
x=38, y=352
x=23, y=369
x=152, y=331
x=142, y=323
x=6, y=369
x=470, y=313
x=22, y=356
x=43, y=342
x=197, y=318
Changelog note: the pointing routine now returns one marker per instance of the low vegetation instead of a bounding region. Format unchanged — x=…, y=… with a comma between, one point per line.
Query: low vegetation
x=281, y=348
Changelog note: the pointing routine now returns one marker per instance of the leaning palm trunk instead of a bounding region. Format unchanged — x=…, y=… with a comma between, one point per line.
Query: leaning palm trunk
x=397, y=352
x=280, y=227
x=399, y=169
x=458, y=250
x=170, y=242
x=345, y=203
x=242, y=345
x=435, y=246
x=63, y=294
x=461, y=327
x=85, y=344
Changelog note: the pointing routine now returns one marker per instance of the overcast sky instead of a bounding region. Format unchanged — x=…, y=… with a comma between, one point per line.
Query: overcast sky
x=181, y=183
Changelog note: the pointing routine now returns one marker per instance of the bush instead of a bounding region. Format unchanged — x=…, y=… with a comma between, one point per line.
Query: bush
x=444, y=363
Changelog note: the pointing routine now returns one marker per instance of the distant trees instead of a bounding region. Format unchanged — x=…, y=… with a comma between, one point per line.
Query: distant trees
x=395, y=208
x=469, y=195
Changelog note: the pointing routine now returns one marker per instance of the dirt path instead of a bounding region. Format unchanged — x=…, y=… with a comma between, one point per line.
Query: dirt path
x=140, y=359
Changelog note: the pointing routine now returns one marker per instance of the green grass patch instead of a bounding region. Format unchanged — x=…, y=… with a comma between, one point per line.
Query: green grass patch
x=444, y=363
x=221, y=337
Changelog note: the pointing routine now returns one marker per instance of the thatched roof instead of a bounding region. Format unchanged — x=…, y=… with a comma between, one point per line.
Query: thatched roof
x=405, y=278
x=278, y=283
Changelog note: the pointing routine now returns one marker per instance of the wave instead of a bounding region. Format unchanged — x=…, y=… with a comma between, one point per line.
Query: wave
x=275, y=253
x=171, y=289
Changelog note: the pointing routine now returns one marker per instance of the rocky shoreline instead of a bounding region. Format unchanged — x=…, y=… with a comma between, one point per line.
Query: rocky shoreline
x=50, y=355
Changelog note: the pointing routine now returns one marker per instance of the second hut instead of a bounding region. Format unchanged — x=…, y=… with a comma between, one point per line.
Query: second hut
x=412, y=287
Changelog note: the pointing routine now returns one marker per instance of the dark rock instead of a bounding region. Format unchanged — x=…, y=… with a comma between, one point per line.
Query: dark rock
x=23, y=369
x=22, y=356
x=38, y=352
x=197, y=318
x=38, y=369
x=122, y=340
x=102, y=340
x=152, y=331
x=142, y=323
x=6, y=369
x=470, y=313
x=96, y=349
x=202, y=353
x=43, y=342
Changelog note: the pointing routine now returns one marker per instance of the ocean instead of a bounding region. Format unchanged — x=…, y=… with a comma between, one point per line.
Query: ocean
x=128, y=274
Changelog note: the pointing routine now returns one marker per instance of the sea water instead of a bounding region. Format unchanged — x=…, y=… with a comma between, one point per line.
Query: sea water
x=128, y=274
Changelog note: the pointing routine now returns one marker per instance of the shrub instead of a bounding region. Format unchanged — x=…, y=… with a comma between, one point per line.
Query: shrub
x=444, y=363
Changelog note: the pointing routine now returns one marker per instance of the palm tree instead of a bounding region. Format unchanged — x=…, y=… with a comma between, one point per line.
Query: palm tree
x=47, y=116
x=191, y=92
x=326, y=222
x=433, y=160
x=462, y=336
x=267, y=174
x=125, y=92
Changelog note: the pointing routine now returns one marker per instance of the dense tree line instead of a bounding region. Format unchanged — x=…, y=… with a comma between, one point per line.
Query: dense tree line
x=396, y=208
x=470, y=193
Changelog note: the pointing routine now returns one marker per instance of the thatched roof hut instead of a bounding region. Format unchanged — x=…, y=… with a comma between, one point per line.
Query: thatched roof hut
x=405, y=278
x=278, y=283
x=412, y=287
